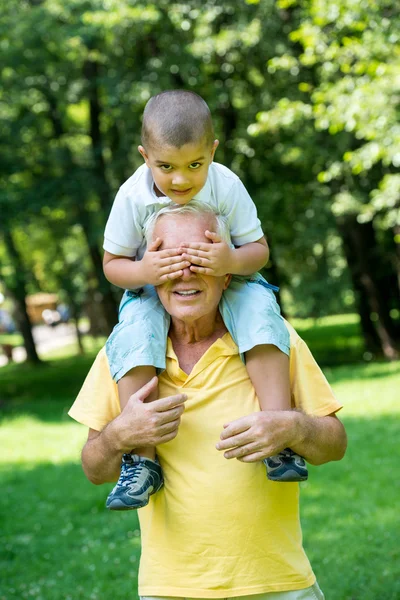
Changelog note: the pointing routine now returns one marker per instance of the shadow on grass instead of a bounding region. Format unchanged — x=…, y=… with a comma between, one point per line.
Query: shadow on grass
x=59, y=542
x=47, y=380
x=333, y=343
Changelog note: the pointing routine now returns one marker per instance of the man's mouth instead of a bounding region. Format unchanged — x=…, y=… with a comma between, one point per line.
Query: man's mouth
x=187, y=293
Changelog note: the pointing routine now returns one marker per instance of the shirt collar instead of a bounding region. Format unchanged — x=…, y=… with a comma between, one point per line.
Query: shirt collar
x=223, y=346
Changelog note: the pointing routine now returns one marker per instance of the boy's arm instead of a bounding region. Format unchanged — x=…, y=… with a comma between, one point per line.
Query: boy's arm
x=218, y=258
x=156, y=267
x=249, y=258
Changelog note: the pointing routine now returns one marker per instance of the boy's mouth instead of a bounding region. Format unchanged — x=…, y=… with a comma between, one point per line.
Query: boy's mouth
x=182, y=192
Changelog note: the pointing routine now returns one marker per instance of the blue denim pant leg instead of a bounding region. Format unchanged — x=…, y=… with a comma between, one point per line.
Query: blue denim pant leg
x=140, y=338
x=252, y=315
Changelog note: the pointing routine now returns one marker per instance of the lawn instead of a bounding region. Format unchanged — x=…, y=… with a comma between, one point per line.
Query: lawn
x=57, y=542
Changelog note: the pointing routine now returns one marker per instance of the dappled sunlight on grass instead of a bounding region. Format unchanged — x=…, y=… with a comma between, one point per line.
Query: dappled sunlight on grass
x=27, y=440
x=371, y=389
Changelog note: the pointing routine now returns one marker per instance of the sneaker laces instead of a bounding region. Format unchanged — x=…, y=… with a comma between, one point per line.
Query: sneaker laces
x=287, y=453
x=130, y=473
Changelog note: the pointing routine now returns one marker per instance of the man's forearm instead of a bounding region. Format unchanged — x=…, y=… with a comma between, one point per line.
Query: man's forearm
x=101, y=456
x=319, y=439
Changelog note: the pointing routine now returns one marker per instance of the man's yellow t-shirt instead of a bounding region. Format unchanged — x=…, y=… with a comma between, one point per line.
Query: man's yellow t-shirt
x=218, y=527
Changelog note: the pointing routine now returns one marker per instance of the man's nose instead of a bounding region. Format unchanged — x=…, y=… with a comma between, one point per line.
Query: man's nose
x=187, y=274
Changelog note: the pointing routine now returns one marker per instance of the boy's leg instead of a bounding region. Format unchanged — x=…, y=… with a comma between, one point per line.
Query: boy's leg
x=268, y=369
x=253, y=318
x=139, y=339
x=128, y=385
x=141, y=474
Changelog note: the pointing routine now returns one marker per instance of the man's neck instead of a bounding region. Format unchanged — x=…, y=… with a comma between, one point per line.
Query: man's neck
x=191, y=340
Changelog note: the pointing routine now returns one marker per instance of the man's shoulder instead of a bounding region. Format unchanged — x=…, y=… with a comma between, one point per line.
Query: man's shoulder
x=294, y=336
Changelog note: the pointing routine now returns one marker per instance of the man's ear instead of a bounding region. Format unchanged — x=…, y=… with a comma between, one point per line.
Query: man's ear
x=142, y=151
x=227, y=281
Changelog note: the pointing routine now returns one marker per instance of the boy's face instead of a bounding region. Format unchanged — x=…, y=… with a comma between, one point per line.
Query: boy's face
x=179, y=173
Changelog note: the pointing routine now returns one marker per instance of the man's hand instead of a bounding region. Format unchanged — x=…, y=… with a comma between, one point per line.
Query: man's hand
x=213, y=258
x=159, y=266
x=150, y=424
x=259, y=435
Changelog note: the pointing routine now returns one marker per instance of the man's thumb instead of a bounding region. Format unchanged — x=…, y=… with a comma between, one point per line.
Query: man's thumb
x=146, y=390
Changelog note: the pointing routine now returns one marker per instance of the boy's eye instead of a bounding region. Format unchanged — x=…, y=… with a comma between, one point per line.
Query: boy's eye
x=165, y=168
x=195, y=165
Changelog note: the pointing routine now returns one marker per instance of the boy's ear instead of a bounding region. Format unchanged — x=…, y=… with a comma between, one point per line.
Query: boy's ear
x=214, y=147
x=142, y=151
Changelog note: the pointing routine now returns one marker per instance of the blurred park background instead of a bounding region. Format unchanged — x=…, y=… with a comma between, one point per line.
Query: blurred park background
x=305, y=99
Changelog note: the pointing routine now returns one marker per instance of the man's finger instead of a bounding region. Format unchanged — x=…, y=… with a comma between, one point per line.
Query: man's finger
x=169, y=416
x=145, y=390
x=169, y=427
x=167, y=403
x=240, y=452
x=167, y=437
x=235, y=427
x=254, y=457
x=234, y=441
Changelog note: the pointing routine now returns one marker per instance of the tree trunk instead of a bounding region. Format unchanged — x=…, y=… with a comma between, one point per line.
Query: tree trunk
x=366, y=269
x=109, y=304
x=18, y=291
x=91, y=72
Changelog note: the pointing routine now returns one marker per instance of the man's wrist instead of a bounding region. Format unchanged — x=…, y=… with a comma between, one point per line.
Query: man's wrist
x=300, y=428
x=112, y=439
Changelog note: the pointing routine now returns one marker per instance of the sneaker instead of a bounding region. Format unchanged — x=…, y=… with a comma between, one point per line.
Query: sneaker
x=140, y=478
x=286, y=466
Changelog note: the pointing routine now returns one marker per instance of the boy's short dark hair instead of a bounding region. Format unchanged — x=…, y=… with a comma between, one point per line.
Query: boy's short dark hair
x=176, y=118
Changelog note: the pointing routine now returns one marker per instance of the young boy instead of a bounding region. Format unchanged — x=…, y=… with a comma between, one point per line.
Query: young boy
x=178, y=147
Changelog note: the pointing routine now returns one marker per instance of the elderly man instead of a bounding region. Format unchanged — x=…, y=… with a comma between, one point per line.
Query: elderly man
x=218, y=528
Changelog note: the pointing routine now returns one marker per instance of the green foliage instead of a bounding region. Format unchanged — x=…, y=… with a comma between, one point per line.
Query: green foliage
x=305, y=101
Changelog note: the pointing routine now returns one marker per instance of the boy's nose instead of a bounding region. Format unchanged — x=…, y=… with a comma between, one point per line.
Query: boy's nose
x=179, y=179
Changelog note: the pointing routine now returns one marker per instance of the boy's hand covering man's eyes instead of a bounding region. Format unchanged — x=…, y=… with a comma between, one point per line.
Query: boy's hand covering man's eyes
x=213, y=258
x=160, y=266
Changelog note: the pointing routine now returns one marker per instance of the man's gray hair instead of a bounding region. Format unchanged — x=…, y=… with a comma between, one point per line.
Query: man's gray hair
x=193, y=208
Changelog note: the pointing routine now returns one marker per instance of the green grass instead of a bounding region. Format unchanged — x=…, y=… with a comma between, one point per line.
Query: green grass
x=57, y=542
x=15, y=339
